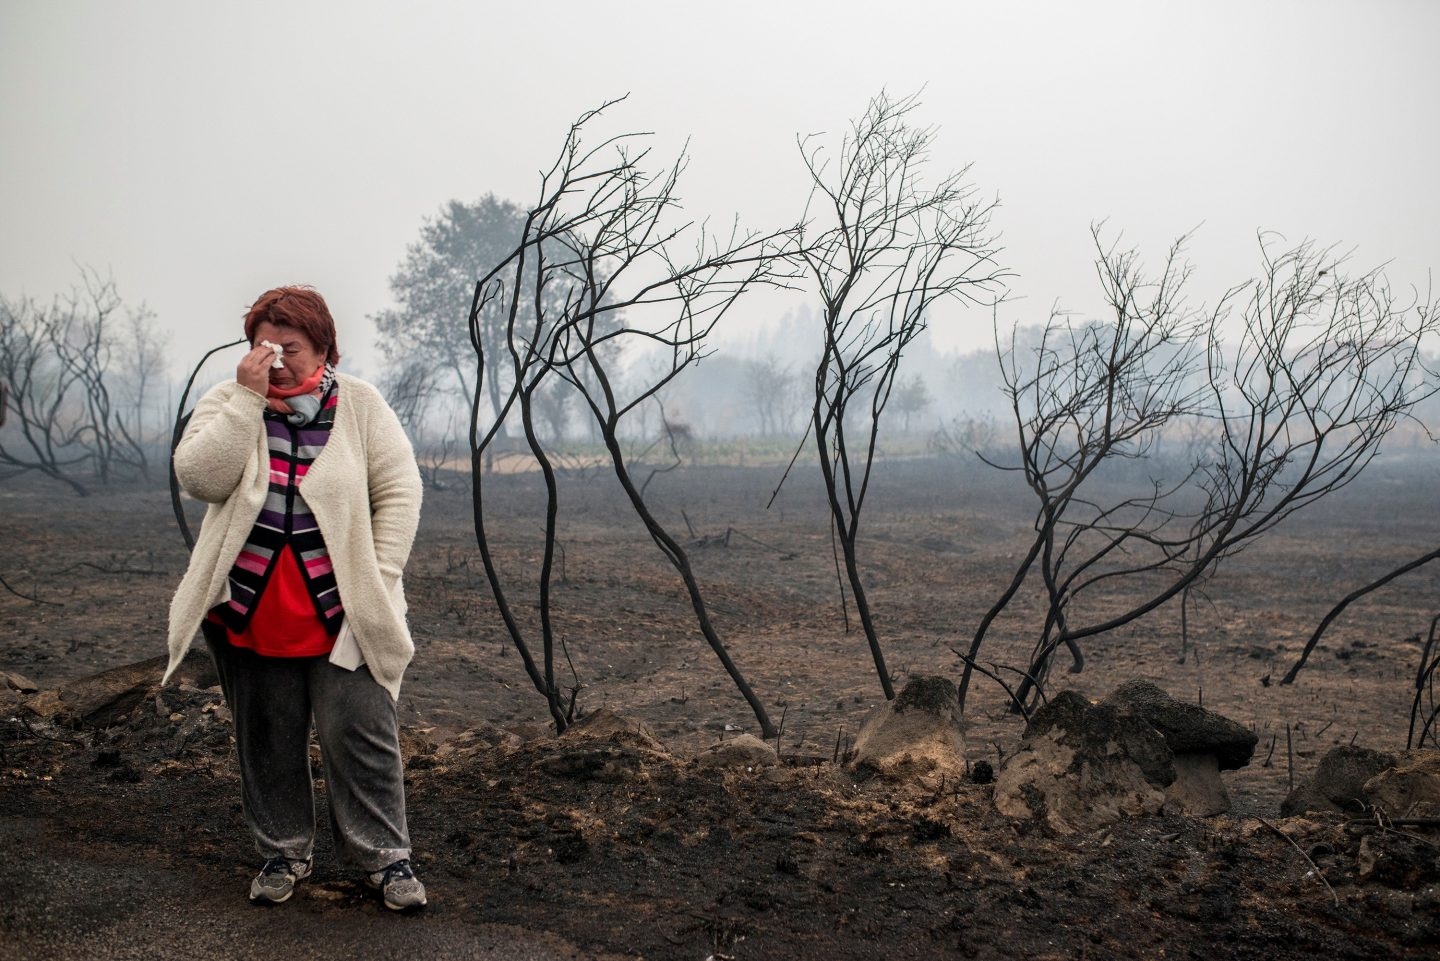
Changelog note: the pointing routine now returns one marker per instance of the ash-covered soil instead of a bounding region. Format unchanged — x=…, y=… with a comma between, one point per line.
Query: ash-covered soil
x=126, y=838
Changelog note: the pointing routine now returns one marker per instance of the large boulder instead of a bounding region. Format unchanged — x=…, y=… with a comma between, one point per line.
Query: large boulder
x=1203, y=744
x=918, y=733
x=1188, y=728
x=1083, y=766
x=1338, y=783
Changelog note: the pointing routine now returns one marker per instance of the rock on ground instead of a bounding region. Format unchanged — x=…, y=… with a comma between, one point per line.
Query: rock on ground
x=741, y=751
x=1408, y=790
x=918, y=733
x=101, y=700
x=1338, y=783
x=1188, y=728
x=1083, y=766
x=1203, y=743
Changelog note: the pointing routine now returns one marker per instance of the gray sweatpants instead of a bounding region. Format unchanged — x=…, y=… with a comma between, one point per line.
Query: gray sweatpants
x=273, y=700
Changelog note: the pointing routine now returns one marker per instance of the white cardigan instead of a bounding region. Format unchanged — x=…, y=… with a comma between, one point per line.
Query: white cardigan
x=364, y=489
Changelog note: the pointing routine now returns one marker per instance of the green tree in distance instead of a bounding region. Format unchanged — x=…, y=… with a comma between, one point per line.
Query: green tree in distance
x=429, y=330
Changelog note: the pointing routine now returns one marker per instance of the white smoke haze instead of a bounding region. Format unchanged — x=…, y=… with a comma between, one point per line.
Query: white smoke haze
x=201, y=153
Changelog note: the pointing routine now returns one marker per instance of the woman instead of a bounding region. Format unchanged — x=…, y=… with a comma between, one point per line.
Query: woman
x=295, y=581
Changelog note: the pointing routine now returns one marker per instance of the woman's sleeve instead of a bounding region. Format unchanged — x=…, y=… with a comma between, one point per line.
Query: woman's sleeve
x=395, y=492
x=218, y=442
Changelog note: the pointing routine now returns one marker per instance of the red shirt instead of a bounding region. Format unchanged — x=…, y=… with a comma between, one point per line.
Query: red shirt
x=284, y=623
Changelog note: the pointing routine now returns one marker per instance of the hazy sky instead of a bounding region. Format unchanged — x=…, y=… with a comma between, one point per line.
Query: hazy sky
x=203, y=152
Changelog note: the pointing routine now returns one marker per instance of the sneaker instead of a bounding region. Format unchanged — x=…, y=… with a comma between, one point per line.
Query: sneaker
x=398, y=886
x=276, y=880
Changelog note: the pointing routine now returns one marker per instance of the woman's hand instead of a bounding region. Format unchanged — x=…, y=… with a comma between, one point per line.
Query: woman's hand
x=253, y=371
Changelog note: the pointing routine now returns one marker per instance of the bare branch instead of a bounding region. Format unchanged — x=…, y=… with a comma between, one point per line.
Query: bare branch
x=888, y=250
x=1326, y=364
x=601, y=248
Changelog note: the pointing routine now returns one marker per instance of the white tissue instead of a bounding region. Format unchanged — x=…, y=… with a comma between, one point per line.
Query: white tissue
x=278, y=351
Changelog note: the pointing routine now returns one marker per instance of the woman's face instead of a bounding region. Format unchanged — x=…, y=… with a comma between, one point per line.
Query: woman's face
x=301, y=357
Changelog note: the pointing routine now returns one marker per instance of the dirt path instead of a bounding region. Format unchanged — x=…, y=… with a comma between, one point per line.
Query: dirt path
x=84, y=901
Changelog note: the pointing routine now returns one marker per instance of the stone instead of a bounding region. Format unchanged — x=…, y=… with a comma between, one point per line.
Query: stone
x=1083, y=766
x=1338, y=783
x=1202, y=742
x=1103, y=730
x=105, y=698
x=100, y=699
x=1188, y=728
x=607, y=725
x=17, y=682
x=1409, y=789
x=918, y=733
x=744, y=751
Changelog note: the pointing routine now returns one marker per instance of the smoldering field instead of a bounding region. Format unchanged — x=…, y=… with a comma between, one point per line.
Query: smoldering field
x=940, y=539
x=576, y=847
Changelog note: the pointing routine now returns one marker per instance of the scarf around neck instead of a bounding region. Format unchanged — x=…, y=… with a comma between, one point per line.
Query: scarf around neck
x=300, y=404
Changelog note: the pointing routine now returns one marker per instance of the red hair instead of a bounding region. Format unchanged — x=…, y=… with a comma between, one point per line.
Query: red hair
x=300, y=307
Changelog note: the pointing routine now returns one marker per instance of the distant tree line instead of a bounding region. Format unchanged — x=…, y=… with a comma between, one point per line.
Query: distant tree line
x=81, y=376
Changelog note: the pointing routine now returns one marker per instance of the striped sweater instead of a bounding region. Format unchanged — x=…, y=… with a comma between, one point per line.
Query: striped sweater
x=285, y=519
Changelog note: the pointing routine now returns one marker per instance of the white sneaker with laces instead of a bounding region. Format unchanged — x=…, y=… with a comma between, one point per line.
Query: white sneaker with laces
x=277, y=879
x=400, y=889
